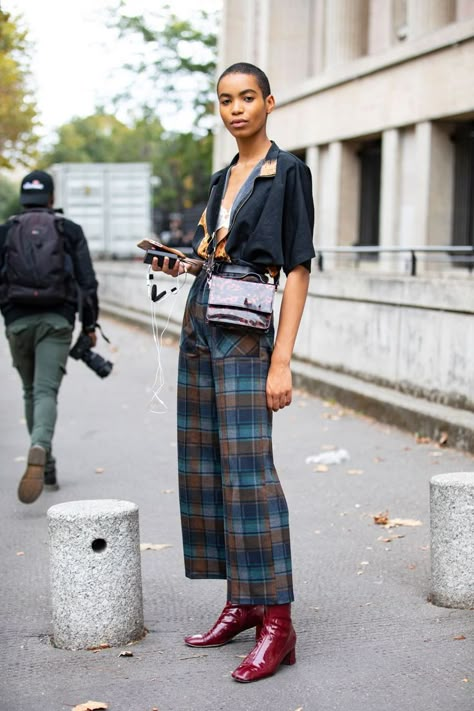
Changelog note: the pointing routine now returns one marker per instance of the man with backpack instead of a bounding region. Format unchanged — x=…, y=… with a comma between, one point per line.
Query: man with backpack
x=46, y=276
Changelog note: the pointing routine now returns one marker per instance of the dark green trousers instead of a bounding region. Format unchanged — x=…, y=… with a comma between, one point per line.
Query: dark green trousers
x=40, y=346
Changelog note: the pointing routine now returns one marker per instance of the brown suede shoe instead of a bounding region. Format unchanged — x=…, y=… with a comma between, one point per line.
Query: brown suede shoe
x=32, y=482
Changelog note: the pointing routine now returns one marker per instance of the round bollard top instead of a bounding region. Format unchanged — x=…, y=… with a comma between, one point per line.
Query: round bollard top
x=453, y=479
x=106, y=508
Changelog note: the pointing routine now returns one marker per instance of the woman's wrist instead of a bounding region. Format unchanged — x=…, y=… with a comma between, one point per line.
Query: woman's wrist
x=280, y=358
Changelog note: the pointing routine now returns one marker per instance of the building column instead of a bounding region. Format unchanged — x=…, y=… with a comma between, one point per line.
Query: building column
x=390, y=200
x=434, y=158
x=327, y=198
x=440, y=199
x=264, y=34
x=316, y=37
x=389, y=192
x=312, y=161
x=346, y=23
x=332, y=194
x=424, y=16
x=423, y=162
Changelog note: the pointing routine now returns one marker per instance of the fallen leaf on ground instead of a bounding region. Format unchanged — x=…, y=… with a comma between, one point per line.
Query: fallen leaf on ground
x=321, y=468
x=154, y=546
x=355, y=471
x=98, y=647
x=389, y=539
x=91, y=706
x=393, y=522
x=382, y=519
x=99, y=470
x=20, y=553
x=126, y=654
x=460, y=636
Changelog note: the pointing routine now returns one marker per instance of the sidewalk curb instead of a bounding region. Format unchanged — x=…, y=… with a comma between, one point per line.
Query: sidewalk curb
x=409, y=413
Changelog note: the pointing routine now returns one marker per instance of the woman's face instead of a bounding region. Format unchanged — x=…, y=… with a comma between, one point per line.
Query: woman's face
x=242, y=107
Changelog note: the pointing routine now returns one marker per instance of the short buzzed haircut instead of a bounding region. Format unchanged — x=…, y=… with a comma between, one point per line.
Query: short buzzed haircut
x=246, y=68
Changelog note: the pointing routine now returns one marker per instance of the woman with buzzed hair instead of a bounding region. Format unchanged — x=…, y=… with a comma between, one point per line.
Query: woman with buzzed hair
x=259, y=219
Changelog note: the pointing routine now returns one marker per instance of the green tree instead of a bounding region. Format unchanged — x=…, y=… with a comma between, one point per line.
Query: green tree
x=9, y=199
x=95, y=139
x=176, y=60
x=181, y=161
x=17, y=109
x=184, y=169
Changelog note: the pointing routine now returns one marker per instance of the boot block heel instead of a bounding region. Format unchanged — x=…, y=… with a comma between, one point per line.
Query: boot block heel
x=290, y=658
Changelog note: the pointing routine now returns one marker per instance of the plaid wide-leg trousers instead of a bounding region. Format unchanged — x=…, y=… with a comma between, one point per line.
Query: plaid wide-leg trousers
x=234, y=514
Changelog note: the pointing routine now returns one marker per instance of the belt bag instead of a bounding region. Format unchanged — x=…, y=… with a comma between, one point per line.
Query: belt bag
x=244, y=301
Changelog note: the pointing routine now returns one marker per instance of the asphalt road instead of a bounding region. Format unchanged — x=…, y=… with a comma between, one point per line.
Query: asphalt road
x=368, y=639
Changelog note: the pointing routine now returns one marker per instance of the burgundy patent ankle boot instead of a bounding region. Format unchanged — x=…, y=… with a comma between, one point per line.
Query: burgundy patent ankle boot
x=232, y=620
x=275, y=646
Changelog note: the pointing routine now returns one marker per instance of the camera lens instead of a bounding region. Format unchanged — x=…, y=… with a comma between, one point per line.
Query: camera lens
x=98, y=364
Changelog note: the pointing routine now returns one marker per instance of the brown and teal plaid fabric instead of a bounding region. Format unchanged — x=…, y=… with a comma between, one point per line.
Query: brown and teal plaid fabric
x=233, y=511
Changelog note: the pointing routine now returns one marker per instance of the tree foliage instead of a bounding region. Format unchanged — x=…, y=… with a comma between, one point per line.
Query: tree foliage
x=175, y=59
x=99, y=138
x=9, y=199
x=181, y=161
x=172, y=68
x=17, y=108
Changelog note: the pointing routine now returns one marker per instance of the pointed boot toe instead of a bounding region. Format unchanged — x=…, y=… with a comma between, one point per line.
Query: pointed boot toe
x=232, y=620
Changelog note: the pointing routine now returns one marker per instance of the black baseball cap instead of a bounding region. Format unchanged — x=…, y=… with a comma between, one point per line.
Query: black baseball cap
x=36, y=188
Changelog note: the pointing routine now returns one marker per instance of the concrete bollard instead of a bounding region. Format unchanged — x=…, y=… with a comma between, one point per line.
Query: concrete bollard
x=452, y=539
x=95, y=573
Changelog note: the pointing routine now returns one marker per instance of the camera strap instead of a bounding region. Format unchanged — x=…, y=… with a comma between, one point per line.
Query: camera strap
x=102, y=332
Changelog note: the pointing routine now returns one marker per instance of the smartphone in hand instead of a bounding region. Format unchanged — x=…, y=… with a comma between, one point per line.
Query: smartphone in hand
x=160, y=255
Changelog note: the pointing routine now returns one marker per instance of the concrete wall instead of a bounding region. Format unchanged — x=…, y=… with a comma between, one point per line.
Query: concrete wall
x=414, y=334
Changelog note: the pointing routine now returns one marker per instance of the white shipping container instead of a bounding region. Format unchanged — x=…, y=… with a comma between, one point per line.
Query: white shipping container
x=111, y=202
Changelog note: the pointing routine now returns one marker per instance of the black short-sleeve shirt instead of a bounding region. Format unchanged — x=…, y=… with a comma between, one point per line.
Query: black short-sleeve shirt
x=272, y=224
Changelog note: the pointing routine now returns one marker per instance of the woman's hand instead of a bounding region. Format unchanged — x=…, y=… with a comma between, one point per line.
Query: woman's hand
x=279, y=386
x=179, y=267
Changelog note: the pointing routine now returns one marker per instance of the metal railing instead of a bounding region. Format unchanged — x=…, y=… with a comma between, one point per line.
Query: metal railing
x=460, y=255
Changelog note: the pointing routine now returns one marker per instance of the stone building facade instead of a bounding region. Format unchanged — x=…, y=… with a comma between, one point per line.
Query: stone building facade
x=377, y=96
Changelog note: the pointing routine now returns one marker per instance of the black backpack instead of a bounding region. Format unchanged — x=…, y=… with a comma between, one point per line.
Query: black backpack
x=37, y=268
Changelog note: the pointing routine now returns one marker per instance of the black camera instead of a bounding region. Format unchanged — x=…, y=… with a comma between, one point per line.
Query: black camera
x=82, y=350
